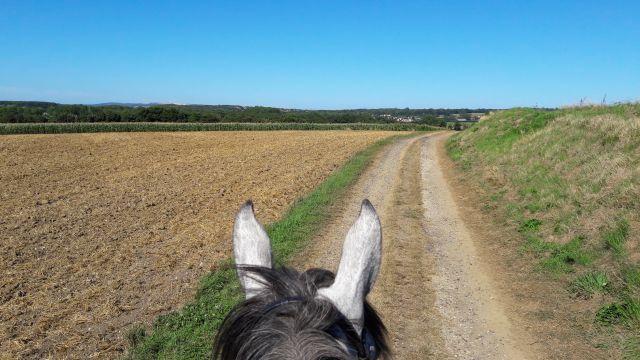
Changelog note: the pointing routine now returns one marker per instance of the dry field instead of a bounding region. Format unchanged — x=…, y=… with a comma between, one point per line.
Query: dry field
x=99, y=231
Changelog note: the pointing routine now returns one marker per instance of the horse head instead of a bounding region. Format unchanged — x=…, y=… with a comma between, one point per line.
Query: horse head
x=307, y=315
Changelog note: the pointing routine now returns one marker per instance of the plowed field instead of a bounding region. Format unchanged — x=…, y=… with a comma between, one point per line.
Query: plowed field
x=99, y=231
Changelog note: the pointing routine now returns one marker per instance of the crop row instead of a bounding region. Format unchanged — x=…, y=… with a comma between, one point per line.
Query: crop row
x=60, y=128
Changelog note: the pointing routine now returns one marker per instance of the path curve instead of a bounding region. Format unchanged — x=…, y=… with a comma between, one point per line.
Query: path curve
x=433, y=291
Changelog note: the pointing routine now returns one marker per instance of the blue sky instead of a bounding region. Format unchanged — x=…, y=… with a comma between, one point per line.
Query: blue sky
x=321, y=54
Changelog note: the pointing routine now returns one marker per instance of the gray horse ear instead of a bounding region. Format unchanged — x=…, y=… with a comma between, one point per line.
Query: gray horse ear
x=359, y=266
x=251, y=247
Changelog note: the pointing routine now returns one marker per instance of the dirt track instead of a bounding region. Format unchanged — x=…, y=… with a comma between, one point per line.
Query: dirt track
x=435, y=293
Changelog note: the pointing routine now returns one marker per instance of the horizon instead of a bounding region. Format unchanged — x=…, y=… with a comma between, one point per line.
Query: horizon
x=137, y=104
x=322, y=56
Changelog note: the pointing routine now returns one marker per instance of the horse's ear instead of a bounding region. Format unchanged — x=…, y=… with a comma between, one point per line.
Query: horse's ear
x=251, y=247
x=359, y=266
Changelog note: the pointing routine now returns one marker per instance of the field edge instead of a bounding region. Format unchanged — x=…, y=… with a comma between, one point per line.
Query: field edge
x=188, y=333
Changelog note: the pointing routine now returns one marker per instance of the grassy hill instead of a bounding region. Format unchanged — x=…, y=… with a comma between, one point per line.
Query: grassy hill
x=568, y=181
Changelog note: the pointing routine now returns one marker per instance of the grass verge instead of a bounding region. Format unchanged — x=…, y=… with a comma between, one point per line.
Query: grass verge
x=568, y=182
x=188, y=333
x=62, y=128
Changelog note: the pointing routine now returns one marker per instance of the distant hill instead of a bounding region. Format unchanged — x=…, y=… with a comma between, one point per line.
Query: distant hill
x=27, y=103
x=191, y=106
x=133, y=105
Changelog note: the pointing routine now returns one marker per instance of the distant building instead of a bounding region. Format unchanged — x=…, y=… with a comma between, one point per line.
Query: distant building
x=405, y=119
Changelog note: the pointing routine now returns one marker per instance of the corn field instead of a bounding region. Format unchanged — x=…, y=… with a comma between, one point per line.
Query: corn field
x=61, y=128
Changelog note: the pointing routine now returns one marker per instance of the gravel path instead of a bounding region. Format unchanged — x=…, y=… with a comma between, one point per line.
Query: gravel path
x=474, y=325
x=433, y=291
x=374, y=185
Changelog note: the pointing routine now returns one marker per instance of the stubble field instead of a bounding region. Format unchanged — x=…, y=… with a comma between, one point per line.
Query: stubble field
x=100, y=231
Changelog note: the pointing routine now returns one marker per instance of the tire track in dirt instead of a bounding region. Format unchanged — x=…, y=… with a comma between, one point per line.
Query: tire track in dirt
x=432, y=292
x=475, y=325
x=402, y=294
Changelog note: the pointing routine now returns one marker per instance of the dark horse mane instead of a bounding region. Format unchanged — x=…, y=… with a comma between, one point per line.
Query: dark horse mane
x=287, y=320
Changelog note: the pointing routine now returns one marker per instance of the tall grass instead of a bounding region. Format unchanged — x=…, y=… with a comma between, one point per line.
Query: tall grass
x=60, y=128
x=589, y=283
x=188, y=333
x=569, y=182
x=616, y=237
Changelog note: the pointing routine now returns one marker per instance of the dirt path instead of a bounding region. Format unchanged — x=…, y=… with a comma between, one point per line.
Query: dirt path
x=433, y=292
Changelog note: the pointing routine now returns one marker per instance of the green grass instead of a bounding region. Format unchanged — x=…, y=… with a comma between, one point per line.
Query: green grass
x=631, y=277
x=558, y=258
x=589, y=283
x=188, y=333
x=530, y=225
x=631, y=348
x=61, y=128
x=564, y=257
x=615, y=237
x=501, y=138
x=625, y=312
x=568, y=181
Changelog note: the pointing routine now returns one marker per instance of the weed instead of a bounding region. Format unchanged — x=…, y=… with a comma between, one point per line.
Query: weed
x=563, y=257
x=537, y=245
x=631, y=276
x=626, y=312
x=497, y=196
x=588, y=284
x=530, y=225
x=615, y=237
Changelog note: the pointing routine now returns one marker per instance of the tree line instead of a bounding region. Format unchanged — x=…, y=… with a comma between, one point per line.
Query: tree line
x=46, y=112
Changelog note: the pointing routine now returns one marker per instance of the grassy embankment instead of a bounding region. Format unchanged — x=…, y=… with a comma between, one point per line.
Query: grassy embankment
x=188, y=333
x=61, y=128
x=568, y=181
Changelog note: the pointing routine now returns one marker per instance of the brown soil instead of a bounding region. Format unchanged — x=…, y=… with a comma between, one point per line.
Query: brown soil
x=100, y=231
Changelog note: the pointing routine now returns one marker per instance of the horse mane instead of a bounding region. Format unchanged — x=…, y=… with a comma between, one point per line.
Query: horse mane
x=267, y=326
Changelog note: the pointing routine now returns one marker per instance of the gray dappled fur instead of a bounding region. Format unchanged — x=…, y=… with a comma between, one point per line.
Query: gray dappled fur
x=294, y=330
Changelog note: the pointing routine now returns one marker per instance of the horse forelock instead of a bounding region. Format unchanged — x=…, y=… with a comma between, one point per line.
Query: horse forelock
x=256, y=329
